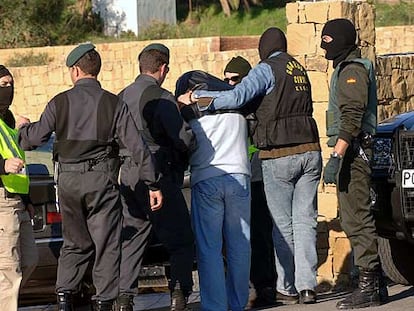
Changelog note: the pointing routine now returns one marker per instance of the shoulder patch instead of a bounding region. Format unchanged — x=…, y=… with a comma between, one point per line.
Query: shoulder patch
x=351, y=80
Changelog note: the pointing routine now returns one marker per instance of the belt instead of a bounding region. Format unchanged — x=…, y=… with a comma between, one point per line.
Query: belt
x=88, y=166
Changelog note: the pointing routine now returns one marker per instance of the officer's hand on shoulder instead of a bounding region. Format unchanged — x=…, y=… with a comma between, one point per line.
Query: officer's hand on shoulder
x=21, y=121
x=13, y=165
x=156, y=199
x=331, y=169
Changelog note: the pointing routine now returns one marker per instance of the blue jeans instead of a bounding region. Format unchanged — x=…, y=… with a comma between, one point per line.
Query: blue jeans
x=291, y=186
x=221, y=211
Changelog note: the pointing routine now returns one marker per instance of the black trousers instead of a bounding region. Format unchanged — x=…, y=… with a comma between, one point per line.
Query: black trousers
x=171, y=226
x=91, y=218
x=262, y=270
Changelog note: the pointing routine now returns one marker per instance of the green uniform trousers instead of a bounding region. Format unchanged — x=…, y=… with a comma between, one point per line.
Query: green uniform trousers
x=357, y=220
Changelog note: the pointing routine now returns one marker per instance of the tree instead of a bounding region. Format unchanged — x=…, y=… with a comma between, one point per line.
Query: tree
x=229, y=5
x=46, y=22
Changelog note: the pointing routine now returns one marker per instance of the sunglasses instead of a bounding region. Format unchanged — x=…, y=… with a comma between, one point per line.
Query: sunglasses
x=234, y=79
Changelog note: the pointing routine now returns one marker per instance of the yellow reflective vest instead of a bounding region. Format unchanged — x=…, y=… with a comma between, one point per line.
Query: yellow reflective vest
x=9, y=148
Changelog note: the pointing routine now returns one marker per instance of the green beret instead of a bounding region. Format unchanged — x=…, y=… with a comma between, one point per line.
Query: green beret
x=238, y=65
x=78, y=52
x=156, y=46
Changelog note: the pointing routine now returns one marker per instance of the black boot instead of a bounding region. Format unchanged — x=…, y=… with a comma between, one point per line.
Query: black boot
x=367, y=294
x=100, y=305
x=178, y=299
x=124, y=302
x=65, y=301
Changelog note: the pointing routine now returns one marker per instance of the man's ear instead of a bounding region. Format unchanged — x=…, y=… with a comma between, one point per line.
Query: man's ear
x=164, y=69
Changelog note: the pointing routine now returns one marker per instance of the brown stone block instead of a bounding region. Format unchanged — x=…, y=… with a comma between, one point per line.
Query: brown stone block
x=301, y=39
x=319, y=113
x=325, y=266
x=55, y=76
x=384, y=90
x=341, y=256
x=316, y=12
x=366, y=23
x=292, y=12
x=395, y=62
x=409, y=82
x=319, y=82
x=339, y=9
x=328, y=205
x=399, y=88
x=406, y=63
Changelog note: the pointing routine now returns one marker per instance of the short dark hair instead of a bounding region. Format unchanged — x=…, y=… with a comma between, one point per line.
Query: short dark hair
x=150, y=61
x=90, y=63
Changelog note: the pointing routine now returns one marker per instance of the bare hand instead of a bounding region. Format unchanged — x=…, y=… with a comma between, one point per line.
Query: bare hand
x=21, y=121
x=13, y=165
x=185, y=99
x=156, y=199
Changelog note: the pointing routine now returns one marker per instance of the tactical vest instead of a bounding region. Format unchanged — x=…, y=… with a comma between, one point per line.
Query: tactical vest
x=284, y=117
x=82, y=150
x=9, y=148
x=333, y=114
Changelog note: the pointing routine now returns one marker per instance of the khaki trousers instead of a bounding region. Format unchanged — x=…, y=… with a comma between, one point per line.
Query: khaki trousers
x=18, y=252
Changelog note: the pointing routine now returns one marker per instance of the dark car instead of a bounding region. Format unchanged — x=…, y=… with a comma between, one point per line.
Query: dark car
x=393, y=199
x=48, y=235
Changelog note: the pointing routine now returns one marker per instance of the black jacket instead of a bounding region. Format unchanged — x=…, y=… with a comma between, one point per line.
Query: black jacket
x=93, y=119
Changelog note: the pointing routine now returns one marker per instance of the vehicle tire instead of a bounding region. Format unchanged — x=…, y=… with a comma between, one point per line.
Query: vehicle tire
x=396, y=259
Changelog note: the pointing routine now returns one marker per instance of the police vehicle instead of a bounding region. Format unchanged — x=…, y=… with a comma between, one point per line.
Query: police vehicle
x=393, y=195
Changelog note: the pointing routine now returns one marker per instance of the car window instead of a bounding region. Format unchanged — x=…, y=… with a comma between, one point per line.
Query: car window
x=40, y=160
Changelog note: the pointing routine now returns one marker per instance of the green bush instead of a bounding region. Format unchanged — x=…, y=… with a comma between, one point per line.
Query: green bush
x=395, y=14
x=29, y=59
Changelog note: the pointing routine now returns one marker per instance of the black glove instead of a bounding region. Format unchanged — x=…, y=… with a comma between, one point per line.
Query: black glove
x=190, y=112
x=331, y=170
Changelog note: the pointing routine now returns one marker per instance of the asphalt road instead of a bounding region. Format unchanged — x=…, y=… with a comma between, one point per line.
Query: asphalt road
x=401, y=298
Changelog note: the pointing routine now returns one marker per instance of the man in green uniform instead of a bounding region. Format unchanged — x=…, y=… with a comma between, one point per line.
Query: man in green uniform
x=351, y=121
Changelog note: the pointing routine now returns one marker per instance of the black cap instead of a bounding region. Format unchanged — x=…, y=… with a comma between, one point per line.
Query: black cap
x=4, y=71
x=78, y=52
x=238, y=65
x=156, y=46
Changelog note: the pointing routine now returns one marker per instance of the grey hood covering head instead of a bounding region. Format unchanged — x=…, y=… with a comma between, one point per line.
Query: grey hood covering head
x=272, y=40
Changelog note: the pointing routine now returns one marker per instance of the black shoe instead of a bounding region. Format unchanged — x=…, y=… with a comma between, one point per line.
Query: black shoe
x=286, y=299
x=265, y=297
x=65, y=301
x=178, y=300
x=124, y=302
x=366, y=295
x=101, y=305
x=307, y=296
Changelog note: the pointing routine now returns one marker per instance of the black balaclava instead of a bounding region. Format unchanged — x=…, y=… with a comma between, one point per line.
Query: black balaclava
x=272, y=40
x=6, y=93
x=343, y=33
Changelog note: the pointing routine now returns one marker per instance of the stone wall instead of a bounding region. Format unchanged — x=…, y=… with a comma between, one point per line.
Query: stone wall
x=395, y=80
x=396, y=39
x=36, y=85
